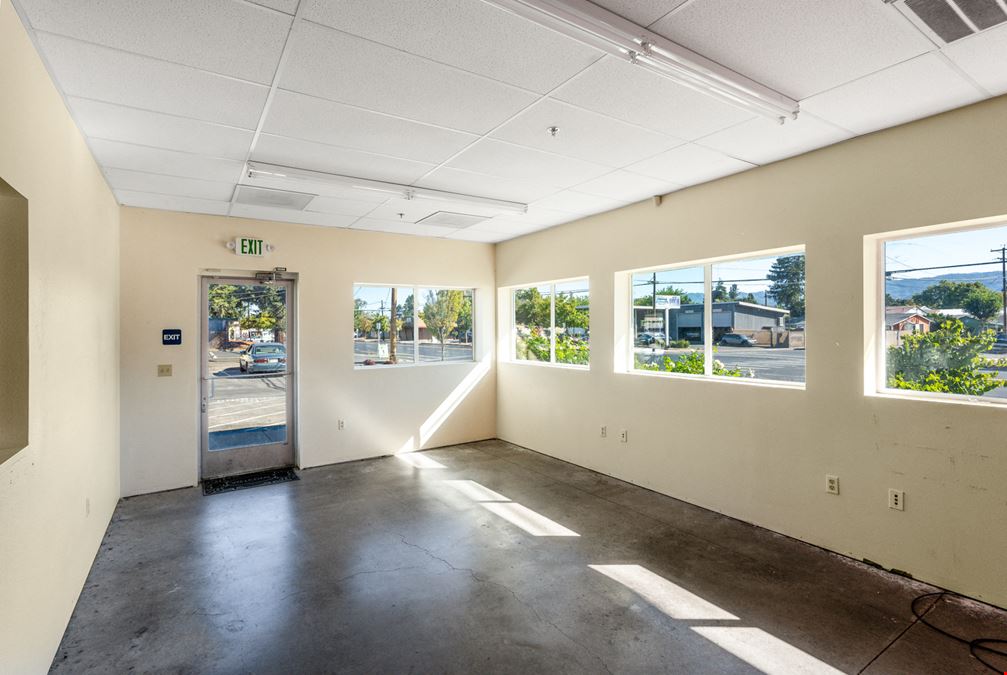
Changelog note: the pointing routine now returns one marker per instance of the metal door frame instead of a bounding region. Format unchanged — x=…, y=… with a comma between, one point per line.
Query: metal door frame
x=255, y=457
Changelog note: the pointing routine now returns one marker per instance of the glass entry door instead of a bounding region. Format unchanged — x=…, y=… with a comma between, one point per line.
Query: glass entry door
x=247, y=376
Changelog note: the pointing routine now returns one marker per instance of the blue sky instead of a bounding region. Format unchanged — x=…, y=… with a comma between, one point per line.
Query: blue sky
x=749, y=274
x=945, y=249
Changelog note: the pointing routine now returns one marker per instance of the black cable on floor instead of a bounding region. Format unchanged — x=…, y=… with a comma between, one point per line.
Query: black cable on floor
x=979, y=644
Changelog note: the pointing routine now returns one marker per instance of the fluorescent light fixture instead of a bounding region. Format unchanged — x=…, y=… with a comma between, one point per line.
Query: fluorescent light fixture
x=599, y=28
x=274, y=172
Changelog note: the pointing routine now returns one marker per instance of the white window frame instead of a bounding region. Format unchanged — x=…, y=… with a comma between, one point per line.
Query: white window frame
x=876, y=327
x=551, y=363
x=707, y=376
x=416, y=337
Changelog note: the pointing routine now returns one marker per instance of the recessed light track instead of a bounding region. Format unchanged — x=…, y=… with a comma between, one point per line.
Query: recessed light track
x=597, y=27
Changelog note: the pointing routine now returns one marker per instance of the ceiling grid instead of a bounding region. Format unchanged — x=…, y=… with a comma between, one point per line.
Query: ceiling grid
x=460, y=95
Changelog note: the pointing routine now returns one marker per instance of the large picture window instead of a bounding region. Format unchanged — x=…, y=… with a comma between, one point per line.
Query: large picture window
x=404, y=325
x=738, y=318
x=944, y=328
x=551, y=323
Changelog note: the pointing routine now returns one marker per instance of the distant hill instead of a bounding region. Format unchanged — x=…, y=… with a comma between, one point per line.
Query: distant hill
x=906, y=288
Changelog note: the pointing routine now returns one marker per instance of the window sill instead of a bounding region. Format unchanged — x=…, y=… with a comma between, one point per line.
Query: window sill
x=421, y=364
x=546, y=364
x=743, y=381
x=937, y=397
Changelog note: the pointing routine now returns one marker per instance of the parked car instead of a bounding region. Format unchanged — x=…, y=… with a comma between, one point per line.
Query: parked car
x=650, y=340
x=263, y=357
x=736, y=340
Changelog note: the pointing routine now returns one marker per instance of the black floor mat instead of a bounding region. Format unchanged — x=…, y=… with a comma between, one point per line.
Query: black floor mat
x=248, y=480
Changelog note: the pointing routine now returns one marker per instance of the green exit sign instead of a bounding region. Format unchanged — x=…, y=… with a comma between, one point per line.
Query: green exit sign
x=250, y=246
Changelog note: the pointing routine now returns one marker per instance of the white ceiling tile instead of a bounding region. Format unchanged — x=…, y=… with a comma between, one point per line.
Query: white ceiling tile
x=497, y=158
x=396, y=227
x=761, y=140
x=619, y=89
x=982, y=56
x=285, y=6
x=641, y=12
x=333, y=65
x=626, y=186
x=314, y=119
x=136, y=181
x=689, y=165
x=579, y=203
x=924, y=86
x=473, y=36
x=415, y=210
x=222, y=36
x=583, y=134
x=291, y=216
x=142, y=127
x=482, y=185
x=468, y=234
x=168, y=162
x=330, y=159
x=342, y=205
x=536, y=218
x=797, y=47
x=147, y=200
x=105, y=74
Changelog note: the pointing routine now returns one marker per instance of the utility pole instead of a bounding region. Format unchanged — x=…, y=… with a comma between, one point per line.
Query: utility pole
x=1003, y=279
x=392, y=333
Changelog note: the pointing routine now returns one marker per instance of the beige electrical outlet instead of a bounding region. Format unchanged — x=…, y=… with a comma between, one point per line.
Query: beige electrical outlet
x=164, y=370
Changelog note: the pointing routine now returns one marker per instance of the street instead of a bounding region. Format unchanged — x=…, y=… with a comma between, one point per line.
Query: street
x=429, y=351
x=780, y=364
x=239, y=401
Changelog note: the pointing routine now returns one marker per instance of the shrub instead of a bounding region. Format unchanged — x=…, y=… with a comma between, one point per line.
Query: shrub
x=946, y=360
x=690, y=364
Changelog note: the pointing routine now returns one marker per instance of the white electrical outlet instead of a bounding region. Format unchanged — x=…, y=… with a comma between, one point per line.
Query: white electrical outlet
x=604, y=432
x=341, y=425
x=896, y=499
x=831, y=484
x=624, y=436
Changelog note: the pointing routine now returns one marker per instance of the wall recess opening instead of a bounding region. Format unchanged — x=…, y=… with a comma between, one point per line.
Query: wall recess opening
x=14, y=321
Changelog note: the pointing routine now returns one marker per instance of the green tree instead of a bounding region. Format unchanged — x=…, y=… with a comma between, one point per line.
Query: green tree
x=787, y=275
x=891, y=301
x=720, y=293
x=947, y=294
x=983, y=304
x=946, y=360
x=224, y=302
x=733, y=292
x=441, y=310
x=531, y=308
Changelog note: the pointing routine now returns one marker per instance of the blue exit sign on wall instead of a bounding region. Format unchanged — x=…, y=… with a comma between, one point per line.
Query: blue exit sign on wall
x=171, y=336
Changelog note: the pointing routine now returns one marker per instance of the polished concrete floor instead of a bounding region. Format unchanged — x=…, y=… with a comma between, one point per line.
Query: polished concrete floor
x=486, y=558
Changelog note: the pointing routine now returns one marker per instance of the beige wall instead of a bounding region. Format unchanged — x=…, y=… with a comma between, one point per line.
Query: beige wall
x=761, y=453
x=385, y=409
x=48, y=537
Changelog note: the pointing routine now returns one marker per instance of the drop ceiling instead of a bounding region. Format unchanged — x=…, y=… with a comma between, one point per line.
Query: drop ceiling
x=458, y=96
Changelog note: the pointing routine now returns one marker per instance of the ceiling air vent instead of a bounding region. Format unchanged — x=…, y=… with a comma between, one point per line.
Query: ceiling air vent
x=448, y=219
x=952, y=20
x=280, y=199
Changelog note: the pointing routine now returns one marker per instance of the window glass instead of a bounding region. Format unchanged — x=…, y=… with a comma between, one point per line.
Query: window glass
x=758, y=318
x=668, y=321
x=383, y=325
x=532, y=323
x=944, y=325
x=445, y=325
x=572, y=323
